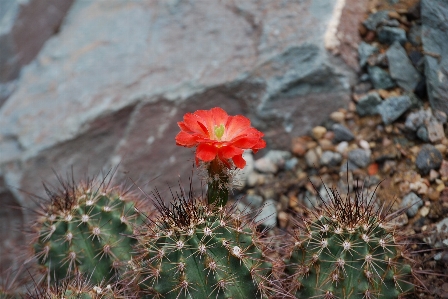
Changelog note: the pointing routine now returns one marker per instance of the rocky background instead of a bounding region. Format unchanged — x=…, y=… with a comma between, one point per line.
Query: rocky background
x=333, y=84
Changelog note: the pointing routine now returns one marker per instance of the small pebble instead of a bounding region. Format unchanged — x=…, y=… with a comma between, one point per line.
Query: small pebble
x=330, y=158
x=342, y=147
x=342, y=133
x=444, y=168
x=319, y=132
x=265, y=165
x=433, y=194
x=424, y=211
x=337, y=116
x=268, y=215
x=441, y=147
x=283, y=219
x=312, y=159
x=428, y=158
x=412, y=202
x=359, y=157
x=364, y=144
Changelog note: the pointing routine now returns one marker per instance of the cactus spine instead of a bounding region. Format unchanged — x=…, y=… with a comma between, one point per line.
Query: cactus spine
x=197, y=251
x=348, y=249
x=86, y=228
x=79, y=287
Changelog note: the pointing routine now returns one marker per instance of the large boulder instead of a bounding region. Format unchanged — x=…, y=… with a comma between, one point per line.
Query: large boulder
x=111, y=86
x=435, y=46
x=24, y=27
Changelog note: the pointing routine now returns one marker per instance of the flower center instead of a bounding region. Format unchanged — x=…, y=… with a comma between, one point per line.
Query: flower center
x=219, y=131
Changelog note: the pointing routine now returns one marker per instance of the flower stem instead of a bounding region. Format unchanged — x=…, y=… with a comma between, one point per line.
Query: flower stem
x=218, y=192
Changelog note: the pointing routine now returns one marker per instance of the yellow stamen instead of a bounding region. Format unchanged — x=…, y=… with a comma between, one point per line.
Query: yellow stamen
x=219, y=131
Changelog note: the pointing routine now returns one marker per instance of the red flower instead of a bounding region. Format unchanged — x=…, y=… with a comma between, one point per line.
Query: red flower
x=216, y=134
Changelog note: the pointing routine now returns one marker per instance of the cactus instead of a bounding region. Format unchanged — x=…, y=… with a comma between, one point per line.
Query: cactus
x=86, y=228
x=195, y=250
x=348, y=249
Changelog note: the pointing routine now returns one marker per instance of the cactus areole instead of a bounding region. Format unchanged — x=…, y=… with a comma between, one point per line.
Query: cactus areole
x=220, y=141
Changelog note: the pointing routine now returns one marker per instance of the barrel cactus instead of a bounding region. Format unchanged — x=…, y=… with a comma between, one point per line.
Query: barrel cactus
x=86, y=228
x=349, y=248
x=196, y=250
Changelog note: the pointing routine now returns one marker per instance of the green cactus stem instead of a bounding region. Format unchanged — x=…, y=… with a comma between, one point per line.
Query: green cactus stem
x=348, y=249
x=218, y=186
x=86, y=228
x=195, y=250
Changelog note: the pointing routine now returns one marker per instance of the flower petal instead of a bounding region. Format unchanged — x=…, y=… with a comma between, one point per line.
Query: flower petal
x=219, y=116
x=235, y=126
x=206, y=152
x=239, y=161
x=192, y=121
x=185, y=139
x=229, y=152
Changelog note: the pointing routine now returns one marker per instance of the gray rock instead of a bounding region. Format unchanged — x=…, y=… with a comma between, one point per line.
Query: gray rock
x=380, y=78
x=440, y=116
x=241, y=176
x=253, y=200
x=290, y=164
x=414, y=120
x=435, y=130
x=401, y=68
x=437, y=239
x=428, y=158
x=341, y=133
x=393, y=107
x=330, y=158
x=268, y=215
x=265, y=165
x=24, y=27
x=415, y=35
x=278, y=157
x=412, y=202
x=312, y=159
x=360, y=157
x=375, y=19
x=365, y=50
x=389, y=35
x=422, y=133
x=368, y=104
x=435, y=45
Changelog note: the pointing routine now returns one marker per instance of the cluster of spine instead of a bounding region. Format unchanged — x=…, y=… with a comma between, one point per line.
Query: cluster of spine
x=79, y=287
x=86, y=228
x=195, y=250
x=348, y=249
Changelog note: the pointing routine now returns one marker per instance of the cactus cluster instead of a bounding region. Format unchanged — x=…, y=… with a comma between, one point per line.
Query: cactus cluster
x=198, y=250
x=348, y=249
x=85, y=228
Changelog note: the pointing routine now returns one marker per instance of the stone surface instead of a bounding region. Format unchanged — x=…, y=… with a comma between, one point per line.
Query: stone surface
x=24, y=27
x=330, y=158
x=389, y=35
x=368, y=104
x=360, y=157
x=342, y=133
x=393, y=107
x=365, y=50
x=401, y=68
x=435, y=46
x=428, y=158
x=376, y=19
x=268, y=215
x=380, y=78
x=412, y=202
